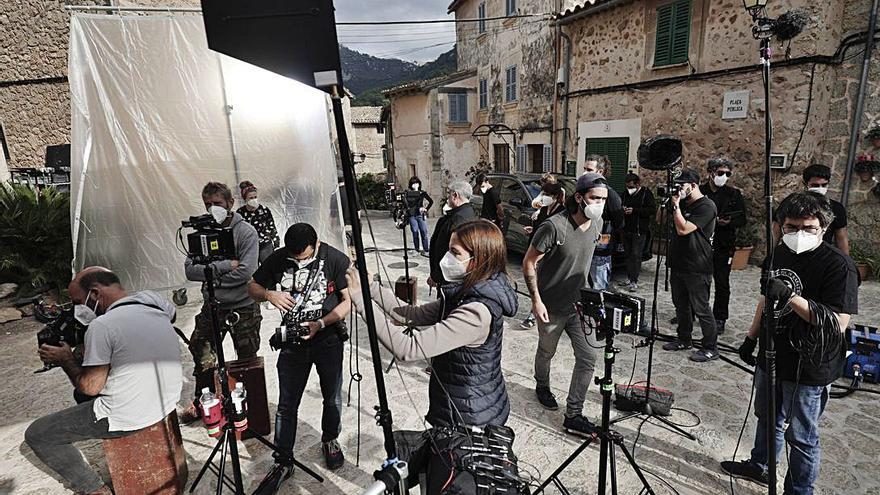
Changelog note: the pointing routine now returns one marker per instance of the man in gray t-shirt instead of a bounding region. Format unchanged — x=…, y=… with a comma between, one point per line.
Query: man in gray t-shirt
x=131, y=362
x=556, y=268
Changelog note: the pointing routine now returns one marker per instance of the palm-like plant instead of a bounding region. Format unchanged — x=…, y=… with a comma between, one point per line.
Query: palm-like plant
x=35, y=241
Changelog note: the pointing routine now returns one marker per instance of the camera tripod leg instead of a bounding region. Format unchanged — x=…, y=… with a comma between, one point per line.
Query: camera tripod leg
x=222, y=469
x=208, y=463
x=554, y=477
x=613, y=462
x=673, y=427
x=295, y=462
x=227, y=481
x=617, y=439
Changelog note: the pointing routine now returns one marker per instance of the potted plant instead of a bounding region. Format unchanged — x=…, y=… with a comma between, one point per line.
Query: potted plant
x=873, y=135
x=744, y=244
x=867, y=262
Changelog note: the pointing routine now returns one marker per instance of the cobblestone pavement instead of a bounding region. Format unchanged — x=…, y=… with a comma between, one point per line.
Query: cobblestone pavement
x=711, y=399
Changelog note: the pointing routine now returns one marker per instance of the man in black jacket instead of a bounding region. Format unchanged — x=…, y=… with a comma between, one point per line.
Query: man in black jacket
x=458, y=199
x=638, y=207
x=731, y=216
x=612, y=217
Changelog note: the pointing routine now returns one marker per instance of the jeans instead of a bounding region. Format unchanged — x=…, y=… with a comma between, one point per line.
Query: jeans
x=51, y=438
x=294, y=366
x=801, y=407
x=721, y=259
x=600, y=272
x=634, y=245
x=418, y=224
x=690, y=295
x=584, y=358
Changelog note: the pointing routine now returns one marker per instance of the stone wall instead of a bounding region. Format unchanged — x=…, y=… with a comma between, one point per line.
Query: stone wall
x=369, y=142
x=34, y=95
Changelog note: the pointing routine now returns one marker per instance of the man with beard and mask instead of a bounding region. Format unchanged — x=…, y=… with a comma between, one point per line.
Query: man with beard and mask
x=816, y=179
x=813, y=286
x=556, y=267
x=131, y=366
x=690, y=265
x=731, y=216
x=232, y=277
x=613, y=220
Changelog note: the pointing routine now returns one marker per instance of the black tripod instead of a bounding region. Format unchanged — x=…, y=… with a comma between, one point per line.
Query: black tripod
x=228, y=441
x=608, y=438
x=665, y=223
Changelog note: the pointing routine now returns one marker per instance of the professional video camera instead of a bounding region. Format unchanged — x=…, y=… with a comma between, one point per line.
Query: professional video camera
x=400, y=203
x=667, y=191
x=612, y=311
x=64, y=329
x=210, y=242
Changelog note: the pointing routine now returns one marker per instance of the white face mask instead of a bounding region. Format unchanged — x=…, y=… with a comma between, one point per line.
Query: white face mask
x=415, y=187
x=800, y=241
x=84, y=314
x=446, y=208
x=453, y=270
x=720, y=180
x=593, y=211
x=632, y=190
x=306, y=262
x=253, y=202
x=484, y=188
x=545, y=200
x=818, y=190
x=219, y=213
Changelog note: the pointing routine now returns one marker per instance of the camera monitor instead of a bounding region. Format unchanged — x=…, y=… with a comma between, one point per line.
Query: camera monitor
x=612, y=311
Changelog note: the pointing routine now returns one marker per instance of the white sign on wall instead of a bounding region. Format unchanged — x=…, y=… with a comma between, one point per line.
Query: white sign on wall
x=736, y=105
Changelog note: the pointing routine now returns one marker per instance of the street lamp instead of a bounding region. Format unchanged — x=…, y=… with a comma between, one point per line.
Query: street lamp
x=754, y=5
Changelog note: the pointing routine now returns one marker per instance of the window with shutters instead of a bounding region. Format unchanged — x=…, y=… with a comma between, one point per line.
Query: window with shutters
x=548, y=158
x=521, y=158
x=484, y=93
x=673, y=33
x=501, y=160
x=458, y=111
x=511, y=7
x=617, y=151
x=510, y=86
x=481, y=15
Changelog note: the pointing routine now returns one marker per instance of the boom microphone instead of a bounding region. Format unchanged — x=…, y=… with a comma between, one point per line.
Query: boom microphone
x=790, y=24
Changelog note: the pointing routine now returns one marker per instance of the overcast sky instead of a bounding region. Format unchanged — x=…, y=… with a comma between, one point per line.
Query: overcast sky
x=414, y=42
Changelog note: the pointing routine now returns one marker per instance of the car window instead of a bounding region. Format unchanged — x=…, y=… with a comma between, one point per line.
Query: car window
x=511, y=189
x=534, y=186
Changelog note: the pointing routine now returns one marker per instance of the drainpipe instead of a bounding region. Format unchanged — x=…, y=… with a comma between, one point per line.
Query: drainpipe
x=565, y=81
x=860, y=103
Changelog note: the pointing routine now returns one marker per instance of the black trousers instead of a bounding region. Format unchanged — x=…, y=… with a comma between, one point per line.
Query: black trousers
x=690, y=295
x=634, y=245
x=721, y=259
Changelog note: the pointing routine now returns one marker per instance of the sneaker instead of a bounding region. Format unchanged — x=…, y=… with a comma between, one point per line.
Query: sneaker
x=676, y=345
x=189, y=414
x=719, y=326
x=580, y=426
x=529, y=322
x=745, y=470
x=546, y=398
x=632, y=287
x=624, y=283
x=333, y=455
x=703, y=355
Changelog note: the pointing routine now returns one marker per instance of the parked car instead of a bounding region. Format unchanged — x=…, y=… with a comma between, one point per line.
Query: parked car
x=517, y=192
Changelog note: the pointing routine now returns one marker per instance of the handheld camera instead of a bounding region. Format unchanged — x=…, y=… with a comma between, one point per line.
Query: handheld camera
x=64, y=329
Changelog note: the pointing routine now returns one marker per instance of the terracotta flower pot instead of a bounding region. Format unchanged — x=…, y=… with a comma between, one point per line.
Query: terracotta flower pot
x=876, y=142
x=864, y=271
x=741, y=258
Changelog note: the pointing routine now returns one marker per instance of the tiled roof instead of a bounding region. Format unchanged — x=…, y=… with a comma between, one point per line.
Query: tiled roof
x=366, y=115
x=454, y=5
x=580, y=8
x=428, y=84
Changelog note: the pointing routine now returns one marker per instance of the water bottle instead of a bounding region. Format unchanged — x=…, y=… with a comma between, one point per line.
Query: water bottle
x=239, y=402
x=212, y=413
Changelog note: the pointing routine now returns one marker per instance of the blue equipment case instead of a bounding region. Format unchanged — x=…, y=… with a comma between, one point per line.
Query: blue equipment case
x=864, y=345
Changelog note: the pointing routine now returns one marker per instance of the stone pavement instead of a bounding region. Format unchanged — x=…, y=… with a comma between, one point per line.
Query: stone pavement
x=712, y=401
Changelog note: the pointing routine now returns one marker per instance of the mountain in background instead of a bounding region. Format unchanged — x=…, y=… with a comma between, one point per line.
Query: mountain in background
x=366, y=76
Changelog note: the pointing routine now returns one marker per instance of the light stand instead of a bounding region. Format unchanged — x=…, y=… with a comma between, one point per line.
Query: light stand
x=227, y=440
x=608, y=438
x=665, y=225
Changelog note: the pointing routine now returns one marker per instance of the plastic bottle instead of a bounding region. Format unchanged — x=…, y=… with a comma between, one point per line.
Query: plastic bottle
x=239, y=402
x=212, y=413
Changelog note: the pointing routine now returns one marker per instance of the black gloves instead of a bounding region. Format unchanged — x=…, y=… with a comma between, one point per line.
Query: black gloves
x=777, y=290
x=746, y=349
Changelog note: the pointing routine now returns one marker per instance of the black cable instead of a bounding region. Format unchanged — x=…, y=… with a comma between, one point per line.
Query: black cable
x=743, y=429
x=354, y=371
x=806, y=117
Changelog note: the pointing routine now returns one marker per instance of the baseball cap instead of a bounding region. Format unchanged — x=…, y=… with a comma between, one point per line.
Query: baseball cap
x=589, y=181
x=687, y=176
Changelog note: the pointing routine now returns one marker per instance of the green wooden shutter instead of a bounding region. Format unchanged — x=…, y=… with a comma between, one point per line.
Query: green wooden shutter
x=617, y=151
x=673, y=33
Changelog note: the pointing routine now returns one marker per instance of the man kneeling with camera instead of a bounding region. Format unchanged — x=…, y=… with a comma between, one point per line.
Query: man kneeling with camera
x=314, y=302
x=131, y=361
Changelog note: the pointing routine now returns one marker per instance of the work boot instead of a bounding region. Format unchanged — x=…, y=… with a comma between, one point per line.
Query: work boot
x=580, y=426
x=745, y=470
x=333, y=455
x=546, y=398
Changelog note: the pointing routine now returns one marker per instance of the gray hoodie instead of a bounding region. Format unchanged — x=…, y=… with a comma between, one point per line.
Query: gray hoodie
x=231, y=291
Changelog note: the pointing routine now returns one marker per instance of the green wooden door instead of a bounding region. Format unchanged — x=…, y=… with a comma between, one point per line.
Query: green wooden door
x=617, y=151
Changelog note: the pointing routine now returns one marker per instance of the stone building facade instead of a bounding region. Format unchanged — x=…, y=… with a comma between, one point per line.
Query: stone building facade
x=632, y=78
x=369, y=139
x=34, y=94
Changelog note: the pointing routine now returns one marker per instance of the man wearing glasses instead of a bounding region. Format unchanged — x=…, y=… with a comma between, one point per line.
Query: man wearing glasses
x=731, y=216
x=813, y=286
x=816, y=179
